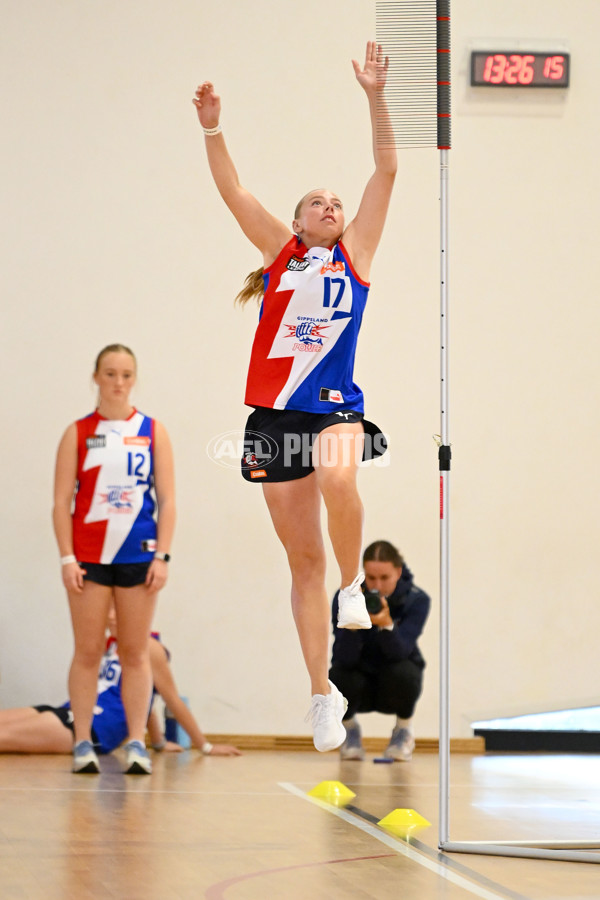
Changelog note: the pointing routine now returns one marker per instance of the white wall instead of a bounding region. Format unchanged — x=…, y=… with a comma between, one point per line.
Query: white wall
x=112, y=230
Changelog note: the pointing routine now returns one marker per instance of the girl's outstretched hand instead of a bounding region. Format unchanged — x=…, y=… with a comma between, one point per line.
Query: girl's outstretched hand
x=372, y=77
x=208, y=105
x=224, y=750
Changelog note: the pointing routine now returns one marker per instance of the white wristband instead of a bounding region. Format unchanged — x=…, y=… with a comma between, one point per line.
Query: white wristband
x=206, y=747
x=212, y=131
x=65, y=560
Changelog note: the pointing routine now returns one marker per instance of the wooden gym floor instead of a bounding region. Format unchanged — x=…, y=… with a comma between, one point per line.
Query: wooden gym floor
x=244, y=828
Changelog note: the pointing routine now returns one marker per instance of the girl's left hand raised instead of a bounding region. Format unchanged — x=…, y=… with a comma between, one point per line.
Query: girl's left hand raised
x=373, y=76
x=208, y=105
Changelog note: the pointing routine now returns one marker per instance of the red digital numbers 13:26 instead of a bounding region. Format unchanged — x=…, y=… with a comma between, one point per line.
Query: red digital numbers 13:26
x=514, y=69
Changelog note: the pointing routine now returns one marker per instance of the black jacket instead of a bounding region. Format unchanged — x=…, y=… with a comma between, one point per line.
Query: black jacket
x=369, y=649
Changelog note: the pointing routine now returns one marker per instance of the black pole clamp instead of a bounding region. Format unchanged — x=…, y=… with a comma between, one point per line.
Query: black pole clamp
x=444, y=456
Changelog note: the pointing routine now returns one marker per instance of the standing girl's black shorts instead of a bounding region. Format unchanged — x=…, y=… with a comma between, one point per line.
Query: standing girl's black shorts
x=116, y=574
x=278, y=443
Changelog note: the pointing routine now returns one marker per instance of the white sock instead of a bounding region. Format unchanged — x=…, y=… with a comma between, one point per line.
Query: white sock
x=355, y=583
x=404, y=723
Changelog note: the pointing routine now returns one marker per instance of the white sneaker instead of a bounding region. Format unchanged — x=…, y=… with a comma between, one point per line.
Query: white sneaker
x=84, y=758
x=352, y=609
x=138, y=760
x=326, y=713
x=401, y=746
x=352, y=747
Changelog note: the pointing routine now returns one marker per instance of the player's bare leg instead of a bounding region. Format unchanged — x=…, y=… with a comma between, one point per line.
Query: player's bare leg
x=295, y=511
x=89, y=611
x=336, y=455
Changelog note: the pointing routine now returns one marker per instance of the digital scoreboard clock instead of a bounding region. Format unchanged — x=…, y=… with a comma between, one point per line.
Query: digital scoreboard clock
x=519, y=69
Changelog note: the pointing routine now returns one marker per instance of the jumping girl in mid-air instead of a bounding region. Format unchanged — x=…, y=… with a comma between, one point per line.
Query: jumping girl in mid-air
x=300, y=380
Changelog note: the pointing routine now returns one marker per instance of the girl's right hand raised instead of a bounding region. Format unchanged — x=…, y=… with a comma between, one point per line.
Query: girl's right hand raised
x=208, y=105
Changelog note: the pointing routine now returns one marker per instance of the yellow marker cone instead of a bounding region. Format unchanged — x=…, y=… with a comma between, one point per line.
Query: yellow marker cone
x=403, y=822
x=333, y=792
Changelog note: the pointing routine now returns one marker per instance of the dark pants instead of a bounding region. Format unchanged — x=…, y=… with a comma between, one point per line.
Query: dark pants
x=394, y=688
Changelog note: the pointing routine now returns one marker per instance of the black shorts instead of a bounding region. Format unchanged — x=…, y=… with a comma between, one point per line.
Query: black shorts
x=61, y=712
x=278, y=443
x=116, y=574
x=65, y=714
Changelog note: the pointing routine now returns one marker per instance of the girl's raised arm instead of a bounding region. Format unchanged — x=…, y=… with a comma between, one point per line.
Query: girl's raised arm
x=363, y=234
x=260, y=227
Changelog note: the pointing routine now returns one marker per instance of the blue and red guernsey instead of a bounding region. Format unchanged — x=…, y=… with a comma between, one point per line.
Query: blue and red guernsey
x=109, y=721
x=113, y=519
x=303, y=351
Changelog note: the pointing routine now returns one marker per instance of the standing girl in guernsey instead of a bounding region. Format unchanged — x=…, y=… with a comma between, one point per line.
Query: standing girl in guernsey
x=314, y=286
x=114, y=517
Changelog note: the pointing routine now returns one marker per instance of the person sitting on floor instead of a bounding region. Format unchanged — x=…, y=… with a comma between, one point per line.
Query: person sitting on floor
x=49, y=729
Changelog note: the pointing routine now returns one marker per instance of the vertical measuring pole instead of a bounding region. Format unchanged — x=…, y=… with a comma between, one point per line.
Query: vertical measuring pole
x=421, y=67
x=444, y=452
x=416, y=34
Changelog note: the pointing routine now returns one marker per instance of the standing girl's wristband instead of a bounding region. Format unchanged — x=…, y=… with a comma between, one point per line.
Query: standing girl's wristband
x=65, y=560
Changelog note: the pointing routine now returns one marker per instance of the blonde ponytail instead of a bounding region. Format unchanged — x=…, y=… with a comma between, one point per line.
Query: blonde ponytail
x=253, y=287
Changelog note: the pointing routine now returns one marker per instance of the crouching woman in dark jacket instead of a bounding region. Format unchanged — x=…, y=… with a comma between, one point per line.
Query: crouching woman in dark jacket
x=381, y=669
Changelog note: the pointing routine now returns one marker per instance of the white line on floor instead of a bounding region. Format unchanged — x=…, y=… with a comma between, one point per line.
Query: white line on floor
x=398, y=845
